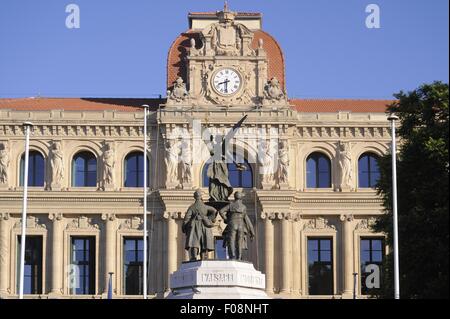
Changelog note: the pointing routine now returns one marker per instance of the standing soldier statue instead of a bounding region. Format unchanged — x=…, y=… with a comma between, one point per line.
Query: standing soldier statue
x=238, y=227
x=197, y=225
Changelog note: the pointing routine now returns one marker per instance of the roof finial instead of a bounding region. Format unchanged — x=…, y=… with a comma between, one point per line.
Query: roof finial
x=225, y=6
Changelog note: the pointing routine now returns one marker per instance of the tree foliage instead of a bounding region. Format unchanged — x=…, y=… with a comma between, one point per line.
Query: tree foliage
x=423, y=195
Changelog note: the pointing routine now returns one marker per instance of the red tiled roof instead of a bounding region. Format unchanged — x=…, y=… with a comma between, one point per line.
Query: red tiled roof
x=78, y=104
x=355, y=106
x=133, y=105
x=177, y=53
x=179, y=50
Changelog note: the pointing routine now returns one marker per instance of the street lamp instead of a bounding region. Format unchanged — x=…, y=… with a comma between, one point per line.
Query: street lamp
x=393, y=118
x=27, y=126
x=145, y=106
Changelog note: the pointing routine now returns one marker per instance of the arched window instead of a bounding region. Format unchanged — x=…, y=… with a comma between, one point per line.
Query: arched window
x=36, y=169
x=368, y=170
x=318, y=171
x=134, y=170
x=238, y=178
x=84, y=170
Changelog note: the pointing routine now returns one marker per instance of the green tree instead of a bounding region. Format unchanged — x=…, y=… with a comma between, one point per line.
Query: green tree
x=423, y=195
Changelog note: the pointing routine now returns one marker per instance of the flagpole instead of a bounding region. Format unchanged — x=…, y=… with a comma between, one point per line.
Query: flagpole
x=27, y=126
x=145, y=201
x=393, y=119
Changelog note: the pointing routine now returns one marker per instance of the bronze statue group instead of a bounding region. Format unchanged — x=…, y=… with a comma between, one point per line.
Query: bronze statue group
x=200, y=217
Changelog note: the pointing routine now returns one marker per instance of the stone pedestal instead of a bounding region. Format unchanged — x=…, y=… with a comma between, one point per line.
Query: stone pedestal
x=173, y=185
x=217, y=279
x=53, y=187
x=283, y=186
x=268, y=186
x=187, y=186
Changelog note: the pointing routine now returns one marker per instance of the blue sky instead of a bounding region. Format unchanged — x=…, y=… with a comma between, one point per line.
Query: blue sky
x=121, y=48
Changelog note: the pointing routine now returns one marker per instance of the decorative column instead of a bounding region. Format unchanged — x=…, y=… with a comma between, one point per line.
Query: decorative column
x=285, y=252
x=57, y=253
x=4, y=253
x=347, y=236
x=295, y=255
x=110, y=245
x=268, y=250
x=171, y=245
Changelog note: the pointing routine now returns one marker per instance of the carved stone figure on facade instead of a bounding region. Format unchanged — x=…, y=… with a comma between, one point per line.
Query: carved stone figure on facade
x=283, y=163
x=273, y=91
x=186, y=168
x=260, y=51
x=193, y=50
x=172, y=163
x=197, y=225
x=239, y=227
x=267, y=162
x=179, y=92
x=4, y=163
x=55, y=167
x=345, y=167
x=108, y=164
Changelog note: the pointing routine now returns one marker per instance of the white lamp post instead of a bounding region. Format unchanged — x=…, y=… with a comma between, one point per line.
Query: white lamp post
x=393, y=118
x=27, y=126
x=145, y=106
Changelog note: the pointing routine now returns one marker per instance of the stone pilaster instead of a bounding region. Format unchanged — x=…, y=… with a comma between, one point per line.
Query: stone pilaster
x=295, y=255
x=110, y=248
x=172, y=239
x=4, y=253
x=285, y=252
x=347, y=236
x=268, y=250
x=57, y=253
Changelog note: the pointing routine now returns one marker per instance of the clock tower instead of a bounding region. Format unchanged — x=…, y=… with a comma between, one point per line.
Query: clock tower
x=225, y=65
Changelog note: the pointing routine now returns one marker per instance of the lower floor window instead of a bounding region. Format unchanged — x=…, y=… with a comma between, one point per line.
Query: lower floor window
x=82, y=272
x=371, y=257
x=32, y=283
x=320, y=266
x=133, y=266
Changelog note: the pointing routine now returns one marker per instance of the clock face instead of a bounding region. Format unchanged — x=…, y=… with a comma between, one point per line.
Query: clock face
x=227, y=81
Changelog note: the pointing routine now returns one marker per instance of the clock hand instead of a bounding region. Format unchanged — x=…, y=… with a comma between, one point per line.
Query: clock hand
x=226, y=84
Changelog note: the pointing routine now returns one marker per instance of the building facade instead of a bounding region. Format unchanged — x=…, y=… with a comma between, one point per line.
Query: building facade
x=311, y=167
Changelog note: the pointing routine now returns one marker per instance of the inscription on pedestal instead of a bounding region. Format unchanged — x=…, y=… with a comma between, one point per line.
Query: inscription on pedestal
x=250, y=280
x=218, y=278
